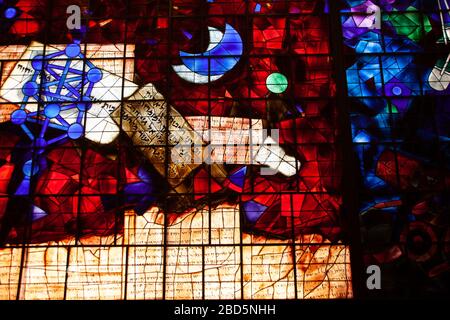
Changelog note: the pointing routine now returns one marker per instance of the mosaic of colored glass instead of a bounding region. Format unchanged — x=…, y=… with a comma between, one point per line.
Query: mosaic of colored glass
x=398, y=92
x=212, y=149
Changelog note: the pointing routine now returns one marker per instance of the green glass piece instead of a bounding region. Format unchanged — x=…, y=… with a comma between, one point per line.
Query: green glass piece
x=409, y=24
x=394, y=108
x=277, y=83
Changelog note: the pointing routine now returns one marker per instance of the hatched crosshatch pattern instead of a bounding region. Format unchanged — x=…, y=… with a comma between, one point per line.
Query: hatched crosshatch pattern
x=219, y=149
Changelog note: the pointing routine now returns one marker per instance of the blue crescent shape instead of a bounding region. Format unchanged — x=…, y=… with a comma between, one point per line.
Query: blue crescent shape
x=220, y=58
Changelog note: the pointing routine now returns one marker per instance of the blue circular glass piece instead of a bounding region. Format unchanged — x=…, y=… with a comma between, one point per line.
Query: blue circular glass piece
x=40, y=143
x=397, y=91
x=73, y=50
x=75, y=131
x=10, y=13
x=94, y=75
x=52, y=110
x=30, y=88
x=19, y=117
x=85, y=104
x=37, y=63
x=29, y=169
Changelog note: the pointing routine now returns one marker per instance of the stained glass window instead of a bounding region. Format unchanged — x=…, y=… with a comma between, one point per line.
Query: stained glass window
x=193, y=149
x=398, y=106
